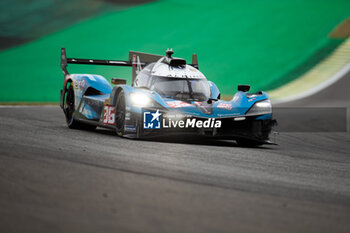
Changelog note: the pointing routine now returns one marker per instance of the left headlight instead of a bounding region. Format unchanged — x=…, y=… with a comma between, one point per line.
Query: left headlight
x=260, y=108
x=140, y=99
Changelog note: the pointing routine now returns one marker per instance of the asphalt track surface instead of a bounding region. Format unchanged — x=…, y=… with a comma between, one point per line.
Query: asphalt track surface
x=53, y=179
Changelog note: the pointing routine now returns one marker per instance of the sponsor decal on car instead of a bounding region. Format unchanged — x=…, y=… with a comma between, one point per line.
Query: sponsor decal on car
x=198, y=103
x=76, y=84
x=109, y=115
x=154, y=120
x=82, y=84
x=79, y=84
x=107, y=101
x=130, y=128
x=202, y=107
x=229, y=114
x=225, y=106
x=178, y=104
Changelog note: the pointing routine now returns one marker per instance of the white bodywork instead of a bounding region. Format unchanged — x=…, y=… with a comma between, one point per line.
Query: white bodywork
x=162, y=69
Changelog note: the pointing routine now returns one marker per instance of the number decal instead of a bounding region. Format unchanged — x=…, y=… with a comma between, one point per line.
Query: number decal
x=109, y=115
x=111, y=118
x=105, y=115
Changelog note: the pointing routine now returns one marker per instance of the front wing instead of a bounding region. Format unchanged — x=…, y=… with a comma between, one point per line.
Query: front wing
x=139, y=125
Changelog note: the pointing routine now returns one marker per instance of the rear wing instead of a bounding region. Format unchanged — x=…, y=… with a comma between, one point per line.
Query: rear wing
x=137, y=57
x=134, y=61
x=65, y=61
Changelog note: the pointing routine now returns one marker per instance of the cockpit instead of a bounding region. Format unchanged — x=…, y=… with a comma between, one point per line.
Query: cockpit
x=183, y=87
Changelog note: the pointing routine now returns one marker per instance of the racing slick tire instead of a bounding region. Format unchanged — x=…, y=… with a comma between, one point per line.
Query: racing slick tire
x=247, y=143
x=69, y=111
x=120, y=113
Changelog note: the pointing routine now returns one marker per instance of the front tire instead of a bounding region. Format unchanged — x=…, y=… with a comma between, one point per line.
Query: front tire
x=69, y=108
x=120, y=113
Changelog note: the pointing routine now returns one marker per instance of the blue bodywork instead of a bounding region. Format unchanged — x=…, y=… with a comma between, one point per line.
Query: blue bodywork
x=89, y=100
x=93, y=92
x=87, y=108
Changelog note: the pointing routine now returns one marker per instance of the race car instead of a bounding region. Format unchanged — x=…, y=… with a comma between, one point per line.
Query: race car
x=167, y=96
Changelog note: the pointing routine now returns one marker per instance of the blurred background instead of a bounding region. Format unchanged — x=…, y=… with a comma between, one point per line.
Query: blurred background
x=268, y=44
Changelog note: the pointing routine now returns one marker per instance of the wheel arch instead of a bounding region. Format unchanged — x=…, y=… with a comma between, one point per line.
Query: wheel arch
x=117, y=89
x=67, y=79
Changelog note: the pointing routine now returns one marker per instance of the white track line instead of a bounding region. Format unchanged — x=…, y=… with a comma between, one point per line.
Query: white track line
x=340, y=74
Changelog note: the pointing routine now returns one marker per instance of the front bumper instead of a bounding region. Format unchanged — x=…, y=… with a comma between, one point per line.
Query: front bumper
x=258, y=130
x=251, y=128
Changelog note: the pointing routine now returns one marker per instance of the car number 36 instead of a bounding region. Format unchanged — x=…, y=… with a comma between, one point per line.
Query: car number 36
x=109, y=115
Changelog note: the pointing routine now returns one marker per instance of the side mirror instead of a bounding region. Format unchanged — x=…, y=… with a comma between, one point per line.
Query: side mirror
x=243, y=88
x=118, y=81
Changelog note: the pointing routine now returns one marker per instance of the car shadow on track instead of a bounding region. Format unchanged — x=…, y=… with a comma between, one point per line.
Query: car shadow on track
x=201, y=140
x=185, y=139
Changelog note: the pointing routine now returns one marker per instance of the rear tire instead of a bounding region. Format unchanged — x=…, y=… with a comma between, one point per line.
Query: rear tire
x=248, y=143
x=120, y=113
x=69, y=108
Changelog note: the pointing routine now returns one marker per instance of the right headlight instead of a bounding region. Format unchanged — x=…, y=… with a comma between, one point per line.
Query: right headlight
x=260, y=108
x=140, y=99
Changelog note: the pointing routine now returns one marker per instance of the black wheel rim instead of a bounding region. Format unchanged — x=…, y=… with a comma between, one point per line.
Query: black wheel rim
x=120, y=113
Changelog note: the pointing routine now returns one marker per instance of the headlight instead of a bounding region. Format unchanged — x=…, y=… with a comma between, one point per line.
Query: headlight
x=140, y=99
x=260, y=108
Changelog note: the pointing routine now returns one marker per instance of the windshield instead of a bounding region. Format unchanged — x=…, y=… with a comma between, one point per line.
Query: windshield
x=181, y=88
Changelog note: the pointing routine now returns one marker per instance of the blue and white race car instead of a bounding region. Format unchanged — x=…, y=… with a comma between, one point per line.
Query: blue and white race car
x=167, y=96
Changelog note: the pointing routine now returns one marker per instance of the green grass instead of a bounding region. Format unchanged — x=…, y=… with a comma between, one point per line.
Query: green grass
x=238, y=42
